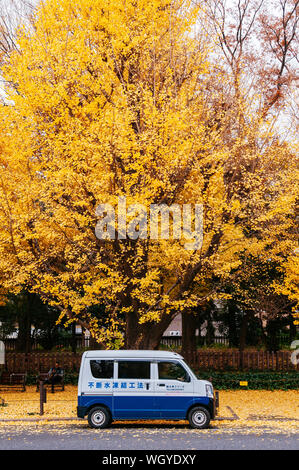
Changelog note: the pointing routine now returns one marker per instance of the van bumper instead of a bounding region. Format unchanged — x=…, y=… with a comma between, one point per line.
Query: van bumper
x=81, y=411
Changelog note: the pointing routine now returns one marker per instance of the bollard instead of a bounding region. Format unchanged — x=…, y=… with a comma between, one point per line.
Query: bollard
x=217, y=399
x=43, y=396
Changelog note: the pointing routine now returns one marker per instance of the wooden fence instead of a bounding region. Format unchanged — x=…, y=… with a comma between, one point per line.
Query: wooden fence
x=234, y=360
x=36, y=362
x=207, y=360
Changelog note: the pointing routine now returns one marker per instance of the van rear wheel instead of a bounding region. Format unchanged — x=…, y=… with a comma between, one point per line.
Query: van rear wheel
x=99, y=418
x=199, y=417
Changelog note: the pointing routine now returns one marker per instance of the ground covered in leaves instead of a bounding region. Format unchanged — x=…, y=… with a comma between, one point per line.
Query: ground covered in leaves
x=252, y=411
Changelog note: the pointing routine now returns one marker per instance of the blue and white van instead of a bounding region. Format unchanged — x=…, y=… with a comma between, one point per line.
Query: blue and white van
x=131, y=385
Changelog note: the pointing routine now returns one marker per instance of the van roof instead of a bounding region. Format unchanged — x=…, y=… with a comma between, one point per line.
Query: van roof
x=132, y=353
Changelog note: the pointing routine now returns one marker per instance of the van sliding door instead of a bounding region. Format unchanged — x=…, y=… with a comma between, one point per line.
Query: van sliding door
x=133, y=394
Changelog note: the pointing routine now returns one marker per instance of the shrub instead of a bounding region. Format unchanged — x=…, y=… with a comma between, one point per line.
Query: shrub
x=257, y=380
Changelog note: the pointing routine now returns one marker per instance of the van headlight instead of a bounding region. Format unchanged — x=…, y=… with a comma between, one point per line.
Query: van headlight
x=209, y=391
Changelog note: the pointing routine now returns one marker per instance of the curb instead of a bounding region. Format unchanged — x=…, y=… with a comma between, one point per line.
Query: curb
x=38, y=419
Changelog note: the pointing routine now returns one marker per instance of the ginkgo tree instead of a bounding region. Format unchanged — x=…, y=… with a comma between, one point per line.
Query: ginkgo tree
x=120, y=101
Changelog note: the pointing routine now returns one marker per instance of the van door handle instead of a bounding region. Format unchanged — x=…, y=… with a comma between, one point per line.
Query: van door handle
x=161, y=385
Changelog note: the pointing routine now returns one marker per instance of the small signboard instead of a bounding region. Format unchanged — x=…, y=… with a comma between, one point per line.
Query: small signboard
x=2, y=353
x=243, y=383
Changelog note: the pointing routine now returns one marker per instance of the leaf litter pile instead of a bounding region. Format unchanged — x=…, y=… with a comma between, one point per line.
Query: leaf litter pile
x=257, y=411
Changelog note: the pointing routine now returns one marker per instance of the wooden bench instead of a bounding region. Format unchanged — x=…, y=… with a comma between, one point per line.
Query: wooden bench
x=42, y=376
x=11, y=381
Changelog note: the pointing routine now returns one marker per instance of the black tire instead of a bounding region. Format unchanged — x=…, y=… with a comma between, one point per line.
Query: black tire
x=99, y=418
x=199, y=417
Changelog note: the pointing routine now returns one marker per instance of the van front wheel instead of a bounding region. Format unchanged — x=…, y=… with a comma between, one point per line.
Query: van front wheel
x=199, y=417
x=99, y=418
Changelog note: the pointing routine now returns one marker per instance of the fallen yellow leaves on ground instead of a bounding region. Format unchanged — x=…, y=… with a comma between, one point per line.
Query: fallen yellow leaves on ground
x=256, y=410
x=27, y=404
x=277, y=410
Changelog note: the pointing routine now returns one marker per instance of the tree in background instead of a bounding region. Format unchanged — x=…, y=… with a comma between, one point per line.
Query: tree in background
x=258, y=43
x=19, y=313
x=256, y=302
x=34, y=322
x=127, y=99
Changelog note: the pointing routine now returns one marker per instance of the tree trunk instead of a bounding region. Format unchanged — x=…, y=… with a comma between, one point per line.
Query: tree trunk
x=73, y=339
x=243, y=333
x=93, y=344
x=189, y=323
x=24, y=317
x=132, y=331
x=293, y=329
x=146, y=335
x=232, y=325
x=272, y=339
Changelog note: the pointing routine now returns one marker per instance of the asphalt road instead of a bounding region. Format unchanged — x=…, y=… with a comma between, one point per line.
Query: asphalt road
x=136, y=438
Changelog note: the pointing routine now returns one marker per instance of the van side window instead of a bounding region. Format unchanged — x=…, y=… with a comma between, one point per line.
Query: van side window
x=172, y=371
x=101, y=369
x=134, y=369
